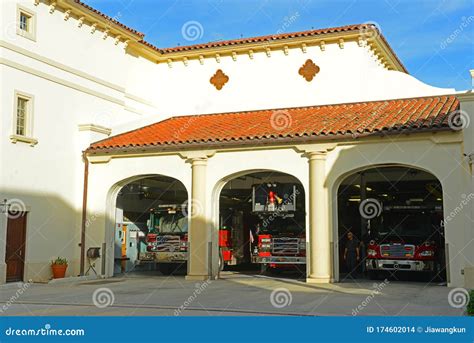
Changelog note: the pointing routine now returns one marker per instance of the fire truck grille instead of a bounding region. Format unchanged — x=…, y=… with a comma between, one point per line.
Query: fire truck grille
x=285, y=246
x=168, y=243
x=397, y=250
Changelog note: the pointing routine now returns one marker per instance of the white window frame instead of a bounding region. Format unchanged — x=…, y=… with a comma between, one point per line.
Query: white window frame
x=28, y=136
x=31, y=32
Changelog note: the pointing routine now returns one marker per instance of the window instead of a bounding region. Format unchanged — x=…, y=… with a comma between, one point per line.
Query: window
x=23, y=119
x=21, y=113
x=26, y=23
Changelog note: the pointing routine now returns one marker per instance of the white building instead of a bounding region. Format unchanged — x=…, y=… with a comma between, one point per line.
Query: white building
x=319, y=105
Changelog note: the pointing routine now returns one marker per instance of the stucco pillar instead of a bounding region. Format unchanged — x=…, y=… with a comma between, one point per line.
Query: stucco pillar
x=198, y=246
x=319, y=268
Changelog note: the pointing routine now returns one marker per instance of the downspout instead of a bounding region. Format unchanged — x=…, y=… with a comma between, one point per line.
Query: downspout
x=84, y=212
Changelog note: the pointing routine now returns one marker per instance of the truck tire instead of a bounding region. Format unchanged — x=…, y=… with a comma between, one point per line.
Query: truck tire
x=275, y=271
x=166, y=268
x=373, y=274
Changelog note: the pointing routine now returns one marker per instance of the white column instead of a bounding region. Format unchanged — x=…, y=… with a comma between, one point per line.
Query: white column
x=198, y=245
x=319, y=259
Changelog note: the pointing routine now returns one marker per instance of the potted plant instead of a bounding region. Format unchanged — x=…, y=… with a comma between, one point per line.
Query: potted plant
x=470, y=304
x=59, y=267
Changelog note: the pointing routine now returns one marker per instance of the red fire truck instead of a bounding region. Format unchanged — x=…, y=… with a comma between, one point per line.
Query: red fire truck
x=277, y=241
x=406, y=238
x=280, y=232
x=167, y=240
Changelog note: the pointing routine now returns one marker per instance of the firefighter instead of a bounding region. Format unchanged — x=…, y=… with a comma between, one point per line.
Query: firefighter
x=351, y=254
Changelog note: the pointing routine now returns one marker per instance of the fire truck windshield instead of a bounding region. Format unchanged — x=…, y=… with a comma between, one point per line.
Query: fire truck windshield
x=170, y=223
x=403, y=224
x=278, y=225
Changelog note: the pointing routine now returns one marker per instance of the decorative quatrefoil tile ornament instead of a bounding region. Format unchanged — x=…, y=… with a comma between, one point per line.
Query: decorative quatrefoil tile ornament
x=308, y=70
x=219, y=79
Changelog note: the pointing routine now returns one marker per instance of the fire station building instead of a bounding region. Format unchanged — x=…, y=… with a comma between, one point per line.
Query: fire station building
x=98, y=126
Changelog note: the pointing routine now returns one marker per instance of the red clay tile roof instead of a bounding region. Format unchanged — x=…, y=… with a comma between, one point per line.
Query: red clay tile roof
x=112, y=20
x=290, y=125
x=268, y=38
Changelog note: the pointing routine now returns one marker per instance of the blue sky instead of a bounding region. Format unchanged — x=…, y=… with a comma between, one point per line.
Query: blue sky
x=433, y=38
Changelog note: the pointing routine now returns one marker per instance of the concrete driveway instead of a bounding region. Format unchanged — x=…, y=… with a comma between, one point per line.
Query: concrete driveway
x=234, y=294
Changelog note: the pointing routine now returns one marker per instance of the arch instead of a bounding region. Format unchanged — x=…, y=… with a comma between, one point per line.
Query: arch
x=215, y=205
x=334, y=193
x=110, y=215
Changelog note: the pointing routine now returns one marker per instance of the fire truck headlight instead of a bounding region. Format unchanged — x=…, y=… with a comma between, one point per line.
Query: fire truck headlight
x=427, y=253
x=371, y=252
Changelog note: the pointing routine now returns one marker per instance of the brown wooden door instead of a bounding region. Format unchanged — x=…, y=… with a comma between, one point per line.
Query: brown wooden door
x=15, y=247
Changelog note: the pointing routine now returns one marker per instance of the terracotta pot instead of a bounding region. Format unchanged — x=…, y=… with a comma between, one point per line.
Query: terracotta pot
x=59, y=270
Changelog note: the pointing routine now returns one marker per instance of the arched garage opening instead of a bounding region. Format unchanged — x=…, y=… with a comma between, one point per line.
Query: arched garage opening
x=390, y=224
x=262, y=224
x=151, y=225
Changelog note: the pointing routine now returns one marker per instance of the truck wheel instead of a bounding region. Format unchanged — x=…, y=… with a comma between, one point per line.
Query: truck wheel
x=275, y=271
x=373, y=275
x=166, y=268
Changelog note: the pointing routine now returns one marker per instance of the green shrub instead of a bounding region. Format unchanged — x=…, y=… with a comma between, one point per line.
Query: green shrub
x=470, y=304
x=59, y=260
